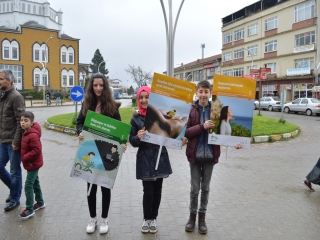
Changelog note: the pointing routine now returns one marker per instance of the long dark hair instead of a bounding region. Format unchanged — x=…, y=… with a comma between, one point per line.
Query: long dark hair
x=108, y=104
x=223, y=116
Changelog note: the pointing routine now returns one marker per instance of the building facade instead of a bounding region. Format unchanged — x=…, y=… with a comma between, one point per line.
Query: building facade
x=34, y=47
x=275, y=34
x=201, y=69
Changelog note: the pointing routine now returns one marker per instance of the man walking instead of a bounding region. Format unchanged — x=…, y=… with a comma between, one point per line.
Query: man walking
x=11, y=107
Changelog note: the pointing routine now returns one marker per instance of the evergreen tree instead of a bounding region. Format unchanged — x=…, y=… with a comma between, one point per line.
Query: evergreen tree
x=96, y=61
x=130, y=90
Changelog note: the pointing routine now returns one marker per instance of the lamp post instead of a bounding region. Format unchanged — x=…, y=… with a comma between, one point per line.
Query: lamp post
x=45, y=69
x=170, y=33
x=190, y=74
x=100, y=64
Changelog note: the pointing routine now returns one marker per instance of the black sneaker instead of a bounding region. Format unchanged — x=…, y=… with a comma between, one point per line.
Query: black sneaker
x=38, y=206
x=8, y=199
x=26, y=214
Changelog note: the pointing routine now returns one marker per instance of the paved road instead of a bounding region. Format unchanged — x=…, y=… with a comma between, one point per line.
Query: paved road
x=256, y=193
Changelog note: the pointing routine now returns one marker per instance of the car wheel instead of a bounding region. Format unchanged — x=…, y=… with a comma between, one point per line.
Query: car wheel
x=270, y=108
x=255, y=107
x=286, y=110
x=309, y=112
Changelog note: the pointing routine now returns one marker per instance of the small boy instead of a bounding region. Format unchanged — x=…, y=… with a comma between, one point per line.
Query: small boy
x=201, y=156
x=31, y=155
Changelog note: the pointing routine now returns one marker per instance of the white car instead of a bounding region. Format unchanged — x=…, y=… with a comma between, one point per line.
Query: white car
x=307, y=105
x=271, y=103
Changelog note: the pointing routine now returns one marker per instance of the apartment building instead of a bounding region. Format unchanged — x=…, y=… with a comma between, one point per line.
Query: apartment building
x=201, y=69
x=34, y=47
x=275, y=34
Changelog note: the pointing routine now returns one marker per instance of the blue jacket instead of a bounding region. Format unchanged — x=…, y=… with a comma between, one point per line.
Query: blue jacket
x=147, y=153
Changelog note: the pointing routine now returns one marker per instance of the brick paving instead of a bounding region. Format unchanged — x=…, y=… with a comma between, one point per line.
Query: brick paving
x=256, y=193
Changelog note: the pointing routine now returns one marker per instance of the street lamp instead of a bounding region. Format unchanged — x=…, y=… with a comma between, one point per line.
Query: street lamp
x=45, y=68
x=100, y=64
x=190, y=74
x=170, y=33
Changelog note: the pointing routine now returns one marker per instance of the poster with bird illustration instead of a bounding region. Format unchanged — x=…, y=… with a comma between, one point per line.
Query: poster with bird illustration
x=99, y=155
x=168, y=111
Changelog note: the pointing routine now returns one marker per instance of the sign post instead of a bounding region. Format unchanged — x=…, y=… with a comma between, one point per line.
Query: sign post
x=76, y=94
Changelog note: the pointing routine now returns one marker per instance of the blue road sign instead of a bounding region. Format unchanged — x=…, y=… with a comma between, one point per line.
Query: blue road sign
x=77, y=93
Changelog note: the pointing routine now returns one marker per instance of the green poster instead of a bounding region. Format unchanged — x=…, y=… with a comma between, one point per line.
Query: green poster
x=99, y=155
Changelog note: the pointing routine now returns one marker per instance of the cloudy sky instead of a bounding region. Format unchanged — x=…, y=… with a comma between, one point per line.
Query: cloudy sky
x=133, y=31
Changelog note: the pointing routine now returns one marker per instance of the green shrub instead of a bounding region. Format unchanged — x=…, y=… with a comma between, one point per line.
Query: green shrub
x=134, y=101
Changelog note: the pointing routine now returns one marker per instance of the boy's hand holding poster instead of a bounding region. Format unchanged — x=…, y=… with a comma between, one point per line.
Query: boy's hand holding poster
x=168, y=111
x=239, y=95
x=99, y=154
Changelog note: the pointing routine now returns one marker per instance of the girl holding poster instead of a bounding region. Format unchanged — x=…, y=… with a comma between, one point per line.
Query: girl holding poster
x=98, y=98
x=145, y=164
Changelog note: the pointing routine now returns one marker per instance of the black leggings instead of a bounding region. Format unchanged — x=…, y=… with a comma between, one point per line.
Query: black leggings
x=92, y=200
x=151, y=198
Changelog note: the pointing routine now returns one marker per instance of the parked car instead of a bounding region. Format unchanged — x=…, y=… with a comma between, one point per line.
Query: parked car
x=125, y=95
x=307, y=105
x=271, y=103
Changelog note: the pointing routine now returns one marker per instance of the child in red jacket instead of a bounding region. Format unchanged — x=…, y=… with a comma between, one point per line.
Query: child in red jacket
x=31, y=155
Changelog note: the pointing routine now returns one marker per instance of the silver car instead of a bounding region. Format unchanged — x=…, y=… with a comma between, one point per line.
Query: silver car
x=271, y=103
x=307, y=105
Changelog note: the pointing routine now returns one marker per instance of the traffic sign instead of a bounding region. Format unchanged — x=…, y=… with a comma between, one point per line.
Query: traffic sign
x=76, y=93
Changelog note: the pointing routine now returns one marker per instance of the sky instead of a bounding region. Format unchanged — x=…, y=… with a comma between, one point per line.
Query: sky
x=133, y=31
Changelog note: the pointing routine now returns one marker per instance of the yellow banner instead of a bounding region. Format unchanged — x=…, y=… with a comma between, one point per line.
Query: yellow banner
x=173, y=87
x=234, y=87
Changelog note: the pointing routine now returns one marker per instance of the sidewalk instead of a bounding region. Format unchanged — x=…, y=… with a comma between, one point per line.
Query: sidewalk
x=40, y=103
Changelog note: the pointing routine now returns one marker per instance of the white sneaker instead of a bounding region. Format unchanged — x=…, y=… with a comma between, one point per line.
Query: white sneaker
x=104, y=226
x=92, y=225
x=145, y=226
x=153, y=226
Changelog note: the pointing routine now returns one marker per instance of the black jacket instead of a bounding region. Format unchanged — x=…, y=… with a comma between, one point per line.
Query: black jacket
x=81, y=119
x=147, y=153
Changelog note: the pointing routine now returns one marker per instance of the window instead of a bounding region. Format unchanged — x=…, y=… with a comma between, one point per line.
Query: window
x=40, y=10
x=252, y=29
x=271, y=23
x=44, y=79
x=29, y=8
x=304, y=11
x=40, y=78
x=67, y=55
x=37, y=79
x=227, y=38
x=10, y=50
x=40, y=54
x=238, y=53
x=227, y=72
x=70, y=57
x=252, y=50
x=238, y=34
x=304, y=39
x=67, y=78
x=227, y=56
x=17, y=73
x=272, y=66
x=270, y=46
x=304, y=63
x=249, y=68
x=34, y=9
x=238, y=72
x=23, y=8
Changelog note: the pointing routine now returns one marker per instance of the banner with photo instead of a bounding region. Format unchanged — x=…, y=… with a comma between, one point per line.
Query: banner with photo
x=99, y=155
x=168, y=111
x=239, y=95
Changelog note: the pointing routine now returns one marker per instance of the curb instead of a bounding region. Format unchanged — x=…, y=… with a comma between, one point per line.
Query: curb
x=257, y=139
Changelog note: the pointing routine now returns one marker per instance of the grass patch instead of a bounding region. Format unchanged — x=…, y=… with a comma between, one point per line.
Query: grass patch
x=261, y=125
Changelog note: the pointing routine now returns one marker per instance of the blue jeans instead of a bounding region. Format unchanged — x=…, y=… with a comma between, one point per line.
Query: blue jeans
x=57, y=100
x=200, y=178
x=13, y=180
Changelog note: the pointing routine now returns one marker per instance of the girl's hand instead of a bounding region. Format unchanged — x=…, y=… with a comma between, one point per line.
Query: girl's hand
x=141, y=133
x=124, y=147
x=184, y=141
x=239, y=146
x=80, y=137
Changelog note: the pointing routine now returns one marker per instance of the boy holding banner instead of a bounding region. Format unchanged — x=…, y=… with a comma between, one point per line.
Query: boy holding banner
x=201, y=156
x=145, y=164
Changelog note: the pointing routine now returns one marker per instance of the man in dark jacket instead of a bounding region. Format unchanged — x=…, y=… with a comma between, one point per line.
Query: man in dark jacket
x=11, y=107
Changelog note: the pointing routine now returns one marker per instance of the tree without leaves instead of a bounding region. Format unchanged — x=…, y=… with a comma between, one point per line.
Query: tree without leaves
x=96, y=60
x=139, y=76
